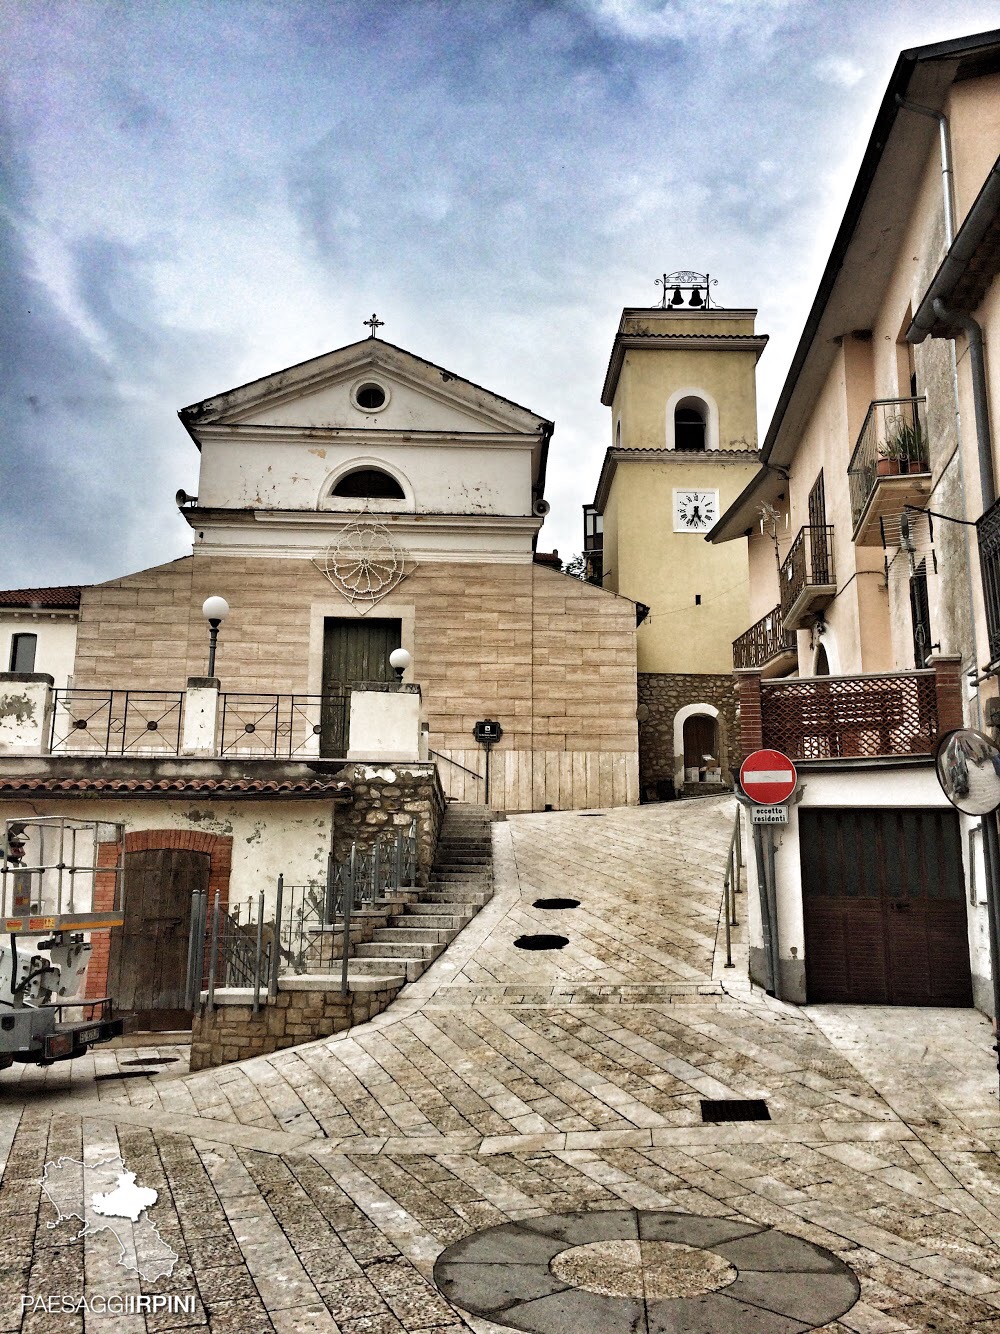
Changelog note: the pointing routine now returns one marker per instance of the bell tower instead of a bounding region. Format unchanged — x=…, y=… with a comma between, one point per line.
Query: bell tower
x=681, y=386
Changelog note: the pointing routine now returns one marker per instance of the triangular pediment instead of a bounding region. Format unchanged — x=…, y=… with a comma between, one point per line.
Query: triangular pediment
x=322, y=393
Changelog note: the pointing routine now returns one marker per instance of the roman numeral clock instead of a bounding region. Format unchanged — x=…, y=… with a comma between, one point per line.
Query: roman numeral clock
x=695, y=511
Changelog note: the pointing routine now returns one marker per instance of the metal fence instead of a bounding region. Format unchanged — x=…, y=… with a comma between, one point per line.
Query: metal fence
x=306, y=930
x=809, y=563
x=273, y=726
x=116, y=722
x=988, y=532
x=893, y=441
x=821, y=717
x=766, y=639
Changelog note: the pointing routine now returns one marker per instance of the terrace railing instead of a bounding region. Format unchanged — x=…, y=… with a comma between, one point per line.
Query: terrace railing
x=809, y=564
x=893, y=442
x=116, y=722
x=766, y=640
x=874, y=716
x=277, y=727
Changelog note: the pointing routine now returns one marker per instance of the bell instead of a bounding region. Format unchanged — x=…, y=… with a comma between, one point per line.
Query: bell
x=696, y=299
x=677, y=299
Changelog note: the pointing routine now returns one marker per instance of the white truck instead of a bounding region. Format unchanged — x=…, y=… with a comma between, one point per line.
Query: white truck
x=60, y=880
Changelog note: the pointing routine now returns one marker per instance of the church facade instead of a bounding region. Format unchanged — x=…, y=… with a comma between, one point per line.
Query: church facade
x=368, y=500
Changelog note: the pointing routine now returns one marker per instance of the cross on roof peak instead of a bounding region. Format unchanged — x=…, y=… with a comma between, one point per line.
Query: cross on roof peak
x=373, y=324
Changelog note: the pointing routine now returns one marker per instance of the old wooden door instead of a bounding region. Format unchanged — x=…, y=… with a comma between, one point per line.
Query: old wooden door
x=884, y=905
x=354, y=652
x=701, y=738
x=147, y=971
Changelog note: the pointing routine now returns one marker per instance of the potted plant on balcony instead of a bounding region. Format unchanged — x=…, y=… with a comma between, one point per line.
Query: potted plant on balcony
x=889, y=463
x=904, y=444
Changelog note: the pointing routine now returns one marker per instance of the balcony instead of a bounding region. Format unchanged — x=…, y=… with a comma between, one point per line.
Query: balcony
x=871, y=717
x=808, y=576
x=766, y=647
x=890, y=466
x=988, y=532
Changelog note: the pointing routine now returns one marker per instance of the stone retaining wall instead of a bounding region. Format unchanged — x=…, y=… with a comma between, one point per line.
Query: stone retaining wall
x=386, y=798
x=661, y=695
x=303, y=1010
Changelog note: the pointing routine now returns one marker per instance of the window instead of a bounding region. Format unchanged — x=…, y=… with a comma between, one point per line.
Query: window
x=369, y=396
x=593, y=529
x=920, y=616
x=689, y=426
x=368, y=484
x=22, y=653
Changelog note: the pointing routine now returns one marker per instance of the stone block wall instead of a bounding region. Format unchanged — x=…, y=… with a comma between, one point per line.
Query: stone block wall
x=550, y=657
x=385, y=799
x=661, y=695
x=232, y=1032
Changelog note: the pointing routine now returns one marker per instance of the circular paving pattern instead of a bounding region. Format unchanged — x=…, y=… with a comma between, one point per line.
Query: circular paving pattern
x=643, y=1269
x=619, y=1270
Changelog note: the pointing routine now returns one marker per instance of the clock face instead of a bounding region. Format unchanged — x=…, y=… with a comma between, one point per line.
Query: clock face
x=695, y=511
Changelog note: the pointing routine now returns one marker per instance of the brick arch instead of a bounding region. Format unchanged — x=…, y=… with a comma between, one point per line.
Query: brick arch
x=219, y=848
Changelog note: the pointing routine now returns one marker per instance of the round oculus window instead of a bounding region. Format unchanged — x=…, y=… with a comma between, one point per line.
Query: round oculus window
x=370, y=397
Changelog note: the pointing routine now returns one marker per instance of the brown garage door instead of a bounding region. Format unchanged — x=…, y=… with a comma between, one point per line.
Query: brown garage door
x=884, y=904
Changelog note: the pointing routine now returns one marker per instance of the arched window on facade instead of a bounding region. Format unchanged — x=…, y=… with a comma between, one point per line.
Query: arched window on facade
x=689, y=425
x=368, y=484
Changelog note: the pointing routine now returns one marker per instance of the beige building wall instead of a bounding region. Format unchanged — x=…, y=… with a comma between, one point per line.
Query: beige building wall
x=652, y=564
x=552, y=658
x=640, y=401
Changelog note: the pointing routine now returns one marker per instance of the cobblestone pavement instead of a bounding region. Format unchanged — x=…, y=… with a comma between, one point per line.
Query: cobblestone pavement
x=315, y=1189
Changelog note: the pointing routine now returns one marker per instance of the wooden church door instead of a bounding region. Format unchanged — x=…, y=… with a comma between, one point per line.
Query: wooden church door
x=354, y=652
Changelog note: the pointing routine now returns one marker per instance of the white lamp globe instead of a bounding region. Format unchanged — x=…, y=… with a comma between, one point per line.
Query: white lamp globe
x=399, y=659
x=215, y=609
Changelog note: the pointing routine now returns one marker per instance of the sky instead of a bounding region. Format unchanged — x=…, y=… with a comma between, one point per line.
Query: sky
x=195, y=193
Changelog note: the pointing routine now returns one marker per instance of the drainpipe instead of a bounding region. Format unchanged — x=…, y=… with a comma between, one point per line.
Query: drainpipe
x=980, y=395
x=947, y=174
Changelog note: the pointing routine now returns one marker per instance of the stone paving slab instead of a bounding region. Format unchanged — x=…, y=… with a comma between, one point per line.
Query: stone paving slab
x=316, y=1188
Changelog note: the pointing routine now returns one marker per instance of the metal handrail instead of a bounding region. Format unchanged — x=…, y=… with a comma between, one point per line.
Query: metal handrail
x=809, y=563
x=448, y=760
x=731, y=886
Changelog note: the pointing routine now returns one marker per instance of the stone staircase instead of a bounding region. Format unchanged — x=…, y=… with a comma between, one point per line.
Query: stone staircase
x=461, y=881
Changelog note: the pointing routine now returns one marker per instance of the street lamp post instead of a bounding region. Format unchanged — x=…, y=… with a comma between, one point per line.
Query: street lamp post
x=215, y=610
x=399, y=660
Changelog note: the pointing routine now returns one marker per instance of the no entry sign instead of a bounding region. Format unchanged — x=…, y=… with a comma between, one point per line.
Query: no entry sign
x=768, y=777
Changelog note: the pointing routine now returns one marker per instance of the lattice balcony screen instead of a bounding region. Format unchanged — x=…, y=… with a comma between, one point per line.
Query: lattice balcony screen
x=851, y=716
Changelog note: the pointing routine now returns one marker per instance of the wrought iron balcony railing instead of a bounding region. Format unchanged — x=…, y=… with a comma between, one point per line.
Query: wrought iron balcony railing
x=892, y=443
x=808, y=576
x=988, y=532
x=763, y=642
x=116, y=722
x=872, y=716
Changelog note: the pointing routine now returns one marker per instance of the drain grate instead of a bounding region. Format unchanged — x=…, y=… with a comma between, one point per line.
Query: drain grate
x=152, y=1060
x=556, y=903
x=124, y=1074
x=541, y=942
x=734, y=1109
x=593, y=815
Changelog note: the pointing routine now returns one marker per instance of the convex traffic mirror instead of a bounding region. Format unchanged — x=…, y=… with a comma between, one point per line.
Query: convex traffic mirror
x=968, y=769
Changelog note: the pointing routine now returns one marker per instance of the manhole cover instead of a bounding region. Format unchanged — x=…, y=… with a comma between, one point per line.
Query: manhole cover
x=541, y=942
x=734, y=1109
x=556, y=903
x=151, y=1060
x=618, y=1270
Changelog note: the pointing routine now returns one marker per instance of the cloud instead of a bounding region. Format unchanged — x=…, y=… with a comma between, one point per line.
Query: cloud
x=840, y=71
